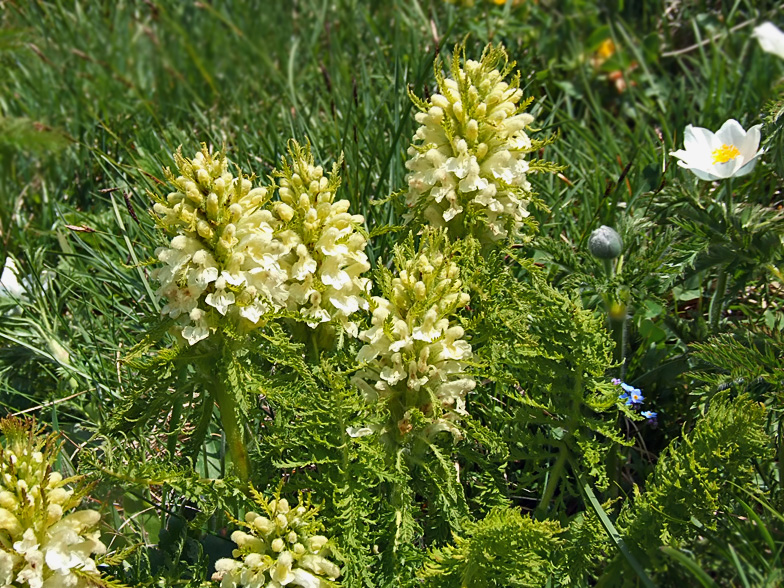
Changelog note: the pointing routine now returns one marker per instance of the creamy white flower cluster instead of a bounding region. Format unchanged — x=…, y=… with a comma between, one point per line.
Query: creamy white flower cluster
x=236, y=255
x=42, y=543
x=468, y=159
x=326, y=251
x=278, y=548
x=223, y=259
x=416, y=355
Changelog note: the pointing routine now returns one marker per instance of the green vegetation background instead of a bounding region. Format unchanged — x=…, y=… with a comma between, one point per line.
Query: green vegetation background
x=97, y=95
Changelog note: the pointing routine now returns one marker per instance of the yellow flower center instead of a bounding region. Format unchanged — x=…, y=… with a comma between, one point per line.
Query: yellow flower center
x=725, y=153
x=606, y=49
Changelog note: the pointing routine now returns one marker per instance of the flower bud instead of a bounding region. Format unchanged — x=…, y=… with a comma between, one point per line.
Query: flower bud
x=235, y=210
x=605, y=243
x=281, y=521
x=204, y=230
x=59, y=495
x=59, y=352
x=472, y=130
x=203, y=177
x=220, y=187
x=263, y=524
x=316, y=542
x=8, y=500
x=212, y=207
x=284, y=211
x=54, y=513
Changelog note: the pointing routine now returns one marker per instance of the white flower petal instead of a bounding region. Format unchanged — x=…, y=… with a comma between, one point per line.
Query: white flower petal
x=750, y=147
x=771, y=38
x=747, y=167
x=731, y=133
x=9, y=280
x=359, y=431
x=697, y=138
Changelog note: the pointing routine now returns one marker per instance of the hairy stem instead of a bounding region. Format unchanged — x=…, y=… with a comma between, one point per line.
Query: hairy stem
x=314, y=352
x=618, y=332
x=174, y=427
x=196, y=441
x=609, y=268
x=233, y=429
x=552, y=481
x=717, y=301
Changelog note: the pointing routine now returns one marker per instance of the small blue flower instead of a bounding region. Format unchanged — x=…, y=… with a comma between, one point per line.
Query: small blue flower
x=631, y=396
x=616, y=381
x=635, y=398
x=651, y=416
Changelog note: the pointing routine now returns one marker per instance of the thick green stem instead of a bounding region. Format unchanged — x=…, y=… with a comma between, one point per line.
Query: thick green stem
x=609, y=268
x=233, y=429
x=571, y=425
x=315, y=354
x=174, y=427
x=717, y=301
x=196, y=441
x=618, y=331
x=552, y=481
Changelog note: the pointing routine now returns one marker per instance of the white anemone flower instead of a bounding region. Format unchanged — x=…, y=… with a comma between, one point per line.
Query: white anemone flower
x=771, y=38
x=9, y=280
x=729, y=152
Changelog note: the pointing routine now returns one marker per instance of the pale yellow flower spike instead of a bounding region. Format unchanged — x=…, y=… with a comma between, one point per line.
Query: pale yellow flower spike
x=278, y=547
x=46, y=542
x=469, y=160
x=415, y=353
x=223, y=261
x=326, y=256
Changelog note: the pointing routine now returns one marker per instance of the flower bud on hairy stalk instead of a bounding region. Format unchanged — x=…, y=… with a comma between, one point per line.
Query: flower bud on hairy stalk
x=222, y=261
x=326, y=247
x=467, y=166
x=416, y=354
x=606, y=244
x=44, y=541
x=278, y=547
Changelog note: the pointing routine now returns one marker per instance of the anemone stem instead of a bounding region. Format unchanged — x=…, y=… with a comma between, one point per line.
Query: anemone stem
x=717, y=301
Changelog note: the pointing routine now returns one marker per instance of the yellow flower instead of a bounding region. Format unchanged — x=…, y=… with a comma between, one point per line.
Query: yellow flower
x=606, y=49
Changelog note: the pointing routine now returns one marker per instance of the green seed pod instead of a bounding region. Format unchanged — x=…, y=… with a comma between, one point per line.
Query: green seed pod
x=605, y=243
